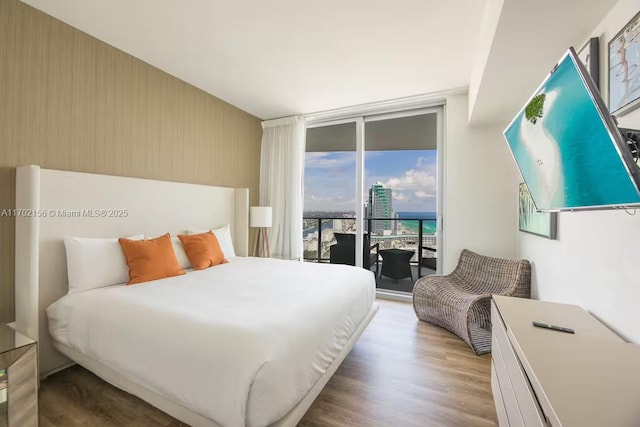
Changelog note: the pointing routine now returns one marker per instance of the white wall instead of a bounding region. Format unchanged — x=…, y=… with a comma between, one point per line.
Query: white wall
x=594, y=262
x=481, y=186
x=489, y=25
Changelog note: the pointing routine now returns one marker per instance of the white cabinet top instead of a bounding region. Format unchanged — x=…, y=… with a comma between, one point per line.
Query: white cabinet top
x=590, y=378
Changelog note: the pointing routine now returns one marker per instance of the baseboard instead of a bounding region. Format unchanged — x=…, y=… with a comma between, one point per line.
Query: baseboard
x=394, y=296
x=44, y=375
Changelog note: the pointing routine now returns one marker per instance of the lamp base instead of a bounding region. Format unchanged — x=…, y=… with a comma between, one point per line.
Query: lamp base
x=264, y=250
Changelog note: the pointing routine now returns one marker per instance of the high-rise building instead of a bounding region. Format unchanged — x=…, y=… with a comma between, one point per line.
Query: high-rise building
x=380, y=206
x=395, y=224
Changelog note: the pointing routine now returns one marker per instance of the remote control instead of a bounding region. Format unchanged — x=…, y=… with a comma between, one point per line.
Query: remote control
x=553, y=327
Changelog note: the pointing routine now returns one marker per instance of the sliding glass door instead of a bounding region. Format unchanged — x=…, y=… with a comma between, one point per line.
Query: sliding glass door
x=329, y=223
x=373, y=189
x=401, y=189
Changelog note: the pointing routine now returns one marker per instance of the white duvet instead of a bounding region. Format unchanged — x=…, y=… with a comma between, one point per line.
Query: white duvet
x=240, y=343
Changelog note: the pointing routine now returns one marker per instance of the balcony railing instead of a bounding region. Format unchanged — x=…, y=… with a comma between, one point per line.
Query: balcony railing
x=317, y=243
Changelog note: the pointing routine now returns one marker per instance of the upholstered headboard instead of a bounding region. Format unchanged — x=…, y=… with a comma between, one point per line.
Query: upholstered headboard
x=52, y=204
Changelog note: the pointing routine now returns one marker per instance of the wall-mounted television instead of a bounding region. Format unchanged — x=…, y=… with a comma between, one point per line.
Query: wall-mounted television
x=568, y=147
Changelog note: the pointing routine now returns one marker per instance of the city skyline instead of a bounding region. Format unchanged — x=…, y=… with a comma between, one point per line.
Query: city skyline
x=411, y=174
x=380, y=206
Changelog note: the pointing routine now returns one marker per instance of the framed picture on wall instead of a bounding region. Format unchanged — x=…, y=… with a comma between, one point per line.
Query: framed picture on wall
x=624, y=69
x=589, y=54
x=531, y=221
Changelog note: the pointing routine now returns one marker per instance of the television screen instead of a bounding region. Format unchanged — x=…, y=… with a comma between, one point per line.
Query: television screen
x=567, y=146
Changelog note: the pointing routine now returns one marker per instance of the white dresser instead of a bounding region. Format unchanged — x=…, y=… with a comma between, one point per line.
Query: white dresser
x=542, y=377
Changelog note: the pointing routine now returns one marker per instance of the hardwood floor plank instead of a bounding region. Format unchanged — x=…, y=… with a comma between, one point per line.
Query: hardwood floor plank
x=402, y=372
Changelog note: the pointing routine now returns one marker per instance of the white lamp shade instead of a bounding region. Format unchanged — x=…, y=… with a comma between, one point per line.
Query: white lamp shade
x=260, y=216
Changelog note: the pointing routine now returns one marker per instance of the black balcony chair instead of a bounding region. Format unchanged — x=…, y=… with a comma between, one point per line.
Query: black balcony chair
x=344, y=251
x=429, y=262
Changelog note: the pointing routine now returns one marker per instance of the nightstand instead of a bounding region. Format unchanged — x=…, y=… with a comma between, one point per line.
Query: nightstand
x=18, y=379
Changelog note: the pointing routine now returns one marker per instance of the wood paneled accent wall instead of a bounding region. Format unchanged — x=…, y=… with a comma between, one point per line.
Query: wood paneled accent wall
x=69, y=101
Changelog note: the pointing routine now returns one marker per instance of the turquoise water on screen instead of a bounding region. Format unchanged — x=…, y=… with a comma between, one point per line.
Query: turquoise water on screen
x=567, y=158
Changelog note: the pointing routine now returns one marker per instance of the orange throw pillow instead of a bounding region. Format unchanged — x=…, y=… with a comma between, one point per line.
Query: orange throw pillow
x=150, y=259
x=203, y=250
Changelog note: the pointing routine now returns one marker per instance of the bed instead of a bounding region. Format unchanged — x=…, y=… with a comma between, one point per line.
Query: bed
x=251, y=342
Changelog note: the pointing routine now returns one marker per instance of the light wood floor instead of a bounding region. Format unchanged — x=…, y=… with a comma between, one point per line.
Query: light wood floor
x=401, y=372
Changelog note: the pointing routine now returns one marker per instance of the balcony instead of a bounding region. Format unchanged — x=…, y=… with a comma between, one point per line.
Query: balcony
x=398, y=233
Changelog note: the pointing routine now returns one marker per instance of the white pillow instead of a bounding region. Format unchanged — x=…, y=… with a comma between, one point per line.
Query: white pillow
x=223, y=234
x=94, y=262
x=181, y=255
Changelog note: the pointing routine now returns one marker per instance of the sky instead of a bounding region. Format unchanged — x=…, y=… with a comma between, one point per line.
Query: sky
x=329, y=179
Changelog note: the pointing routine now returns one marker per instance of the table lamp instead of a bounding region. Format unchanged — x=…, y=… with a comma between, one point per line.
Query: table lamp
x=260, y=217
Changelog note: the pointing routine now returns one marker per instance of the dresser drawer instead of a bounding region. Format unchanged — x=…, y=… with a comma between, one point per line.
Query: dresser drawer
x=527, y=403
x=501, y=412
x=508, y=397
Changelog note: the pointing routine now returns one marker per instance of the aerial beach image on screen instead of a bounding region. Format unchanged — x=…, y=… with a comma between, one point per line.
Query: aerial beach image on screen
x=564, y=150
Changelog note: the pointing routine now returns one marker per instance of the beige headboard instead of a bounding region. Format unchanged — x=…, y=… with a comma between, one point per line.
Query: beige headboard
x=52, y=204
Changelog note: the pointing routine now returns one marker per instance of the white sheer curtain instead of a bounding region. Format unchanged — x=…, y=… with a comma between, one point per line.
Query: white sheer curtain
x=281, y=171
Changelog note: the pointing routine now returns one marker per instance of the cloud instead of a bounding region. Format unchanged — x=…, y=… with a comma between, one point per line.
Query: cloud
x=314, y=198
x=413, y=180
x=329, y=160
x=416, y=188
x=316, y=158
x=422, y=162
x=423, y=194
x=422, y=178
x=331, y=203
x=399, y=197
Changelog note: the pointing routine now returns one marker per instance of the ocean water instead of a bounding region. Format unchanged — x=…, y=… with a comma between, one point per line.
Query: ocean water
x=429, y=223
x=567, y=158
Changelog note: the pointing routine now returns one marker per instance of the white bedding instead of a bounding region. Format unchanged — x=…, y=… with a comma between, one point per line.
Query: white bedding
x=240, y=343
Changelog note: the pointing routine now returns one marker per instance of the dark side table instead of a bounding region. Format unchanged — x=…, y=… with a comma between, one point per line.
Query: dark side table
x=396, y=263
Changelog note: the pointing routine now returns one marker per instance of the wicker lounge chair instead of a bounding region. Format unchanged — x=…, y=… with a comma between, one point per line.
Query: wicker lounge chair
x=461, y=301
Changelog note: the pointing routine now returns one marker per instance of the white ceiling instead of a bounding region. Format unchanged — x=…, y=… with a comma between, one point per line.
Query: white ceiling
x=282, y=57
x=527, y=39
x=285, y=57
